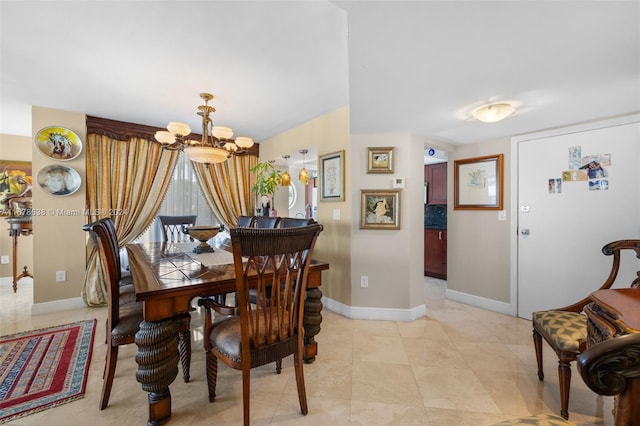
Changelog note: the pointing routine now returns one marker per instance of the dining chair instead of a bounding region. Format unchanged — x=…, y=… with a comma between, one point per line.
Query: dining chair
x=265, y=222
x=565, y=329
x=245, y=221
x=123, y=319
x=172, y=228
x=259, y=335
x=294, y=222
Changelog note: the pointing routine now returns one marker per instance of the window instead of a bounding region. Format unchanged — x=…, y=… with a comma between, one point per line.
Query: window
x=183, y=197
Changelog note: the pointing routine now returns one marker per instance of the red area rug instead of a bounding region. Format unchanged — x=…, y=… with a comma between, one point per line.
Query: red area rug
x=44, y=368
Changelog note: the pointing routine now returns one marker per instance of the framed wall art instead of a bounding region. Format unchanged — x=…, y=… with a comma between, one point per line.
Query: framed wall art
x=331, y=175
x=478, y=183
x=12, y=174
x=380, y=208
x=58, y=143
x=381, y=160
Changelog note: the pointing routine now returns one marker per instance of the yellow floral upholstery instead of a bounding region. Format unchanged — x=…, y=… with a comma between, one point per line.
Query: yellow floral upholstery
x=566, y=329
x=539, y=420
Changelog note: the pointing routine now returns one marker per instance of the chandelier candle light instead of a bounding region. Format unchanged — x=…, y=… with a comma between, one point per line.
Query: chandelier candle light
x=217, y=143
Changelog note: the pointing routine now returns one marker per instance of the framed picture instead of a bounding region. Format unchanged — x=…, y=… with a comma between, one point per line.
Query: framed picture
x=478, y=183
x=380, y=160
x=58, y=143
x=56, y=179
x=380, y=208
x=331, y=174
x=12, y=175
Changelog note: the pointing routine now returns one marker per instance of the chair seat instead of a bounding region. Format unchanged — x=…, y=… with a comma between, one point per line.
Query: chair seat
x=566, y=329
x=540, y=420
x=130, y=318
x=224, y=335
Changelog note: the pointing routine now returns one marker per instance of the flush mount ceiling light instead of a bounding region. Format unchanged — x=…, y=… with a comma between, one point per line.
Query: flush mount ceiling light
x=216, y=145
x=493, y=112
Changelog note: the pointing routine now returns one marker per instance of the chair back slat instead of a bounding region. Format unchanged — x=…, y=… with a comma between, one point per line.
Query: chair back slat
x=275, y=262
x=103, y=234
x=294, y=222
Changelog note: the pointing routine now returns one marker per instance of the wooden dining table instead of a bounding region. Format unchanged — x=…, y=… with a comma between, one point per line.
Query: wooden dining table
x=167, y=277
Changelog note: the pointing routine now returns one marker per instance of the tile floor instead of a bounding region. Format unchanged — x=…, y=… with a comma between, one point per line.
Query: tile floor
x=460, y=365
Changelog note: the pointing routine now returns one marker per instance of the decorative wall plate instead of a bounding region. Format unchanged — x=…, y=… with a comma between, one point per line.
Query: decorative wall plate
x=58, y=143
x=59, y=180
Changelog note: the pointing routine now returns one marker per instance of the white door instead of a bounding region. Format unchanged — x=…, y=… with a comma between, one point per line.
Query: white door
x=563, y=224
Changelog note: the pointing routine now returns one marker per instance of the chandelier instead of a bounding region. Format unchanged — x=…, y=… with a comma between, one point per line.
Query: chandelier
x=217, y=143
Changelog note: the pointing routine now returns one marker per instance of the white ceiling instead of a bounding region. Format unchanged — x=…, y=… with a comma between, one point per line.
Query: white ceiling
x=414, y=67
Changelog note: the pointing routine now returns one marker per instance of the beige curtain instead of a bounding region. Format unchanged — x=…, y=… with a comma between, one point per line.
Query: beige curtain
x=227, y=187
x=126, y=181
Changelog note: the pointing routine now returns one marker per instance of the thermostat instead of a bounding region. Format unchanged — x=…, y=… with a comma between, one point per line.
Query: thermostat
x=398, y=182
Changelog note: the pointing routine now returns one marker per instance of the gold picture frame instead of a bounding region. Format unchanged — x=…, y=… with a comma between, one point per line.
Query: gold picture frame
x=381, y=159
x=380, y=208
x=9, y=170
x=331, y=176
x=478, y=183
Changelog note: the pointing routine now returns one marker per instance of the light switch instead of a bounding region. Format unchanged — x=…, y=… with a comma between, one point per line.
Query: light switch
x=502, y=215
x=336, y=214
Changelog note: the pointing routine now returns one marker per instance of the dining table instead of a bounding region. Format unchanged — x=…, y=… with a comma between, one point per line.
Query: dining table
x=167, y=277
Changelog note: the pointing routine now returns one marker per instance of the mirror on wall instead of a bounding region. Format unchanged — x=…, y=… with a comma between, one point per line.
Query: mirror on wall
x=302, y=199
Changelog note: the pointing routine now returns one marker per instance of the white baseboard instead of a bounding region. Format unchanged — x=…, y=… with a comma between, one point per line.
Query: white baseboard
x=57, y=306
x=481, y=302
x=383, y=314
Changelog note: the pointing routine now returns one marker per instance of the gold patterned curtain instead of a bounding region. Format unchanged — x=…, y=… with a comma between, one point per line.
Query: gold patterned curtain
x=126, y=181
x=227, y=187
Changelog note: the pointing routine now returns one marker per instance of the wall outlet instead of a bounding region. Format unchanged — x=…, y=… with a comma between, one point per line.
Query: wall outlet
x=4, y=259
x=364, y=281
x=61, y=276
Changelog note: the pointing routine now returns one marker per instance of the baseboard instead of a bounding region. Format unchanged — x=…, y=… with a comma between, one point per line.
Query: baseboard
x=383, y=314
x=57, y=306
x=481, y=302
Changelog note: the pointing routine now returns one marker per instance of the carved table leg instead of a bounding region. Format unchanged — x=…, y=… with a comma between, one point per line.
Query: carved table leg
x=311, y=323
x=157, y=360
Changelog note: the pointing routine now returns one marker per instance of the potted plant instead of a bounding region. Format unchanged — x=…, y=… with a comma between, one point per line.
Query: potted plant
x=268, y=178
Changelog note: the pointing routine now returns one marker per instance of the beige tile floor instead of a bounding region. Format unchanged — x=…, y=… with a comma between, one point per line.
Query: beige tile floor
x=460, y=365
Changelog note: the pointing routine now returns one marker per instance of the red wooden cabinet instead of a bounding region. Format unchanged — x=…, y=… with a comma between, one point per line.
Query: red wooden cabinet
x=435, y=253
x=436, y=177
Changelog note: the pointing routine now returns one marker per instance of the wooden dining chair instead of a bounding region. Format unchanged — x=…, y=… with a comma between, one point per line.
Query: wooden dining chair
x=245, y=221
x=265, y=222
x=565, y=329
x=294, y=222
x=123, y=319
x=259, y=335
x=172, y=228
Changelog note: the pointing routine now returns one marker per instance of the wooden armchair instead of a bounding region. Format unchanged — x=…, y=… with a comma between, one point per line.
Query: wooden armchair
x=259, y=335
x=612, y=367
x=565, y=329
x=172, y=227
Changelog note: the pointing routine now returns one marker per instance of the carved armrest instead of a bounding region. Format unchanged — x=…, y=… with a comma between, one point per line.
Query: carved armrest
x=218, y=307
x=607, y=367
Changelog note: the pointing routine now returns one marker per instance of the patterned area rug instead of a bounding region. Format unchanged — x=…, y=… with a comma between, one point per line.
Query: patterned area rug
x=44, y=368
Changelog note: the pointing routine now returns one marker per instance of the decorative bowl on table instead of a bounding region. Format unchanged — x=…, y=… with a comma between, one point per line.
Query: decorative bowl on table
x=202, y=233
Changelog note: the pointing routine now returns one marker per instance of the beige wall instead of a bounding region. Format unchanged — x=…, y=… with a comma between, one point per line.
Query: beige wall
x=59, y=241
x=16, y=148
x=391, y=259
x=329, y=133
x=478, y=244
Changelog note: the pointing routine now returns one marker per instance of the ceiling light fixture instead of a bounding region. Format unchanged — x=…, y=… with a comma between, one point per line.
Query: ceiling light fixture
x=286, y=177
x=217, y=143
x=303, y=176
x=493, y=112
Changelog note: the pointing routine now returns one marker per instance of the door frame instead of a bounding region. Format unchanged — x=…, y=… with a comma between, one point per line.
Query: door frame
x=513, y=208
